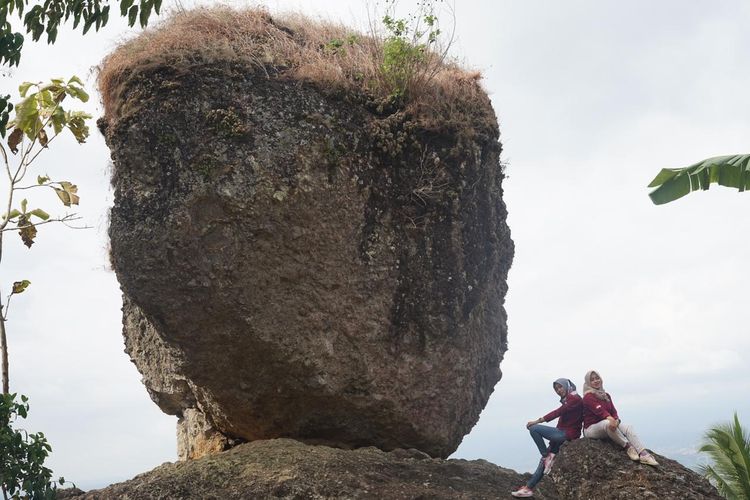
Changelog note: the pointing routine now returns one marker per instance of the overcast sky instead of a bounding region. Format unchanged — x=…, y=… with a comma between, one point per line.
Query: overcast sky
x=593, y=98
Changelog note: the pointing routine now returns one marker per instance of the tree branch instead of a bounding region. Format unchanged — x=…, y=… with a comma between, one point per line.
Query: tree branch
x=64, y=220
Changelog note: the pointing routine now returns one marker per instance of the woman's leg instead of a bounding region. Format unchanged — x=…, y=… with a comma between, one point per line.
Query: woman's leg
x=555, y=443
x=632, y=437
x=601, y=430
x=541, y=432
x=537, y=476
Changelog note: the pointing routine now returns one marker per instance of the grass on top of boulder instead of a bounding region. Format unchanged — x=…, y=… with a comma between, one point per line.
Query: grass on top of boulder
x=295, y=47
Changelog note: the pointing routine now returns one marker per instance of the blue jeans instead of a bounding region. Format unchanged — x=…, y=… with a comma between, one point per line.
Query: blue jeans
x=555, y=436
x=539, y=433
x=537, y=476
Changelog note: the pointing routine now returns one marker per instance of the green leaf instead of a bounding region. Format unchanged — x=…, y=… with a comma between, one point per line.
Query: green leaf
x=24, y=204
x=76, y=121
x=77, y=93
x=27, y=115
x=146, y=7
x=41, y=179
x=88, y=23
x=38, y=212
x=24, y=87
x=132, y=15
x=729, y=171
x=124, y=6
x=13, y=214
x=104, y=20
x=20, y=286
x=58, y=119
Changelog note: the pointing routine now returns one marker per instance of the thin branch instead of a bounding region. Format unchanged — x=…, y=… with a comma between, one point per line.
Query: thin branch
x=46, y=184
x=5, y=221
x=4, y=364
x=5, y=155
x=4, y=315
x=64, y=220
x=43, y=148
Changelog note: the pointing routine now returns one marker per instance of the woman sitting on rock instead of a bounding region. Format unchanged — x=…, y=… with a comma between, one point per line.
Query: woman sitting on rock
x=569, y=415
x=600, y=420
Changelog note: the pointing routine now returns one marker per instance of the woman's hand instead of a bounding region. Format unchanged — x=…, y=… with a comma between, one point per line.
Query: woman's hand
x=534, y=422
x=613, y=423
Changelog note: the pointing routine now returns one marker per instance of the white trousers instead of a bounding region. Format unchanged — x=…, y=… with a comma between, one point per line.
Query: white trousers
x=622, y=435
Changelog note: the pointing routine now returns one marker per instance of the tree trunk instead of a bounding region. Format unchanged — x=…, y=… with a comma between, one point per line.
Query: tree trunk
x=3, y=337
x=4, y=348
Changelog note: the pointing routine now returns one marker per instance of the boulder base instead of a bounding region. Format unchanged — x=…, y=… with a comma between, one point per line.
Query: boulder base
x=283, y=468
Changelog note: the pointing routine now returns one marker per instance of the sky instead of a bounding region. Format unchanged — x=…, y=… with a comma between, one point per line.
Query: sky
x=593, y=98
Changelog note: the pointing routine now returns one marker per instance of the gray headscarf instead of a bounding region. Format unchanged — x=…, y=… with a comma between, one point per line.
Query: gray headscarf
x=567, y=384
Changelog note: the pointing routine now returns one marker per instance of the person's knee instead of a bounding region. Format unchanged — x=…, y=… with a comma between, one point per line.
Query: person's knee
x=613, y=433
x=534, y=429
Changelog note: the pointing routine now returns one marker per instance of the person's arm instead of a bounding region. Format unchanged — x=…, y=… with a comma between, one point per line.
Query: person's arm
x=534, y=422
x=570, y=404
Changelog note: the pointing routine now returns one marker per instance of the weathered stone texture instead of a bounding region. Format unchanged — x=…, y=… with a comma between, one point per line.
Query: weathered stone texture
x=591, y=468
x=294, y=263
x=286, y=469
x=282, y=468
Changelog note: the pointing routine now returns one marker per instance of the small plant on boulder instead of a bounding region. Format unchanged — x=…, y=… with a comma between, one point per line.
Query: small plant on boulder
x=409, y=56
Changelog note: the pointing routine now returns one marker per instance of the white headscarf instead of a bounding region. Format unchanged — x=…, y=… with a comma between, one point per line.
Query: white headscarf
x=599, y=393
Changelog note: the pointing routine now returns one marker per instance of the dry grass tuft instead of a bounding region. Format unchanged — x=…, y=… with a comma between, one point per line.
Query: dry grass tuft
x=297, y=47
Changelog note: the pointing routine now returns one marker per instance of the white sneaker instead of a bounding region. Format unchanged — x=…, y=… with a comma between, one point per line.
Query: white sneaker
x=648, y=459
x=632, y=453
x=523, y=492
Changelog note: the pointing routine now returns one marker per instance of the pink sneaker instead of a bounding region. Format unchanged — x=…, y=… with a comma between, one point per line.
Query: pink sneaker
x=523, y=492
x=548, y=461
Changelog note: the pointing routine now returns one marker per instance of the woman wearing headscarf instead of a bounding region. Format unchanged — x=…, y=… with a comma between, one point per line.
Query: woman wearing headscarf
x=600, y=420
x=569, y=417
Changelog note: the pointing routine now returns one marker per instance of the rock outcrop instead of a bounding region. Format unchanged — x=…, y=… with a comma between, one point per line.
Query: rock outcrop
x=590, y=468
x=286, y=469
x=301, y=259
x=283, y=468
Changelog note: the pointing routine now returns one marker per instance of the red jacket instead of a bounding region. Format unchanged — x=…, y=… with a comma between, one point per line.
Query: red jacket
x=570, y=416
x=595, y=410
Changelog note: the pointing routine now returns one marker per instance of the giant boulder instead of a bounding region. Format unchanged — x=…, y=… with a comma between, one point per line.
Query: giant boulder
x=299, y=256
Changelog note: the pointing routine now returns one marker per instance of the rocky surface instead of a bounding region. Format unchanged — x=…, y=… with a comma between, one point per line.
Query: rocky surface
x=300, y=263
x=590, y=468
x=284, y=468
